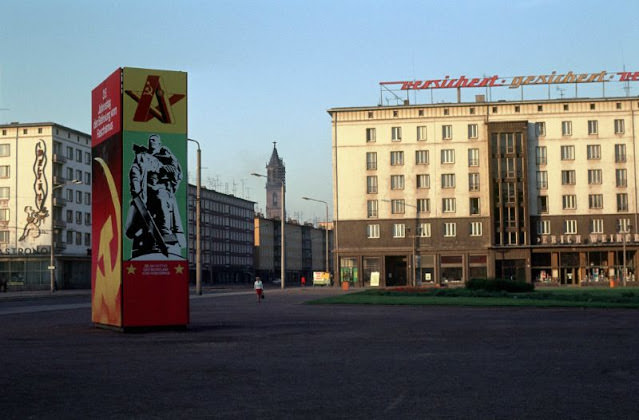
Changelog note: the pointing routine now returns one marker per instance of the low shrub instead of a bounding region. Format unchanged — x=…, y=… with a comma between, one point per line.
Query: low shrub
x=495, y=285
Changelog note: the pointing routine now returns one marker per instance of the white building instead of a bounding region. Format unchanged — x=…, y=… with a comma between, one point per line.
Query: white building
x=45, y=198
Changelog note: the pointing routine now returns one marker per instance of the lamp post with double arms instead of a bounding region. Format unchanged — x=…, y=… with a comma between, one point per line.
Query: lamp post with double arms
x=325, y=226
x=198, y=250
x=282, y=222
x=52, y=251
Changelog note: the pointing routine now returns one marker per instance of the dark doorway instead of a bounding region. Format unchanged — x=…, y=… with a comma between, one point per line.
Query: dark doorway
x=396, y=271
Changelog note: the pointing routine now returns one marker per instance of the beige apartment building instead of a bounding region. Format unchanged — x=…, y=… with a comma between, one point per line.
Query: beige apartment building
x=542, y=191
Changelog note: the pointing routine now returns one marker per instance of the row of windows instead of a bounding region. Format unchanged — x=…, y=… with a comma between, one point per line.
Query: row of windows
x=570, y=226
x=398, y=206
x=72, y=237
x=424, y=230
x=593, y=152
x=78, y=196
x=595, y=177
x=422, y=181
x=595, y=201
x=592, y=127
x=422, y=157
x=78, y=217
x=473, y=130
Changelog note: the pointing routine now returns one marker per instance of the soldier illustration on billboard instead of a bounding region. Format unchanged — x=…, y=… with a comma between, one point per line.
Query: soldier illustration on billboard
x=153, y=221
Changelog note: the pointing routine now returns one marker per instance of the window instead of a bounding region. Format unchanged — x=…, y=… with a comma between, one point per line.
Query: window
x=543, y=227
x=423, y=205
x=593, y=127
x=70, y=195
x=423, y=181
x=78, y=217
x=372, y=231
x=448, y=180
x=4, y=192
x=4, y=236
x=371, y=207
x=370, y=135
x=421, y=157
x=69, y=216
x=542, y=180
x=399, y=230
x=622, y=202
x=595, y=201
x=5, y=150
x=623, y=225
x=87, y=219
x=567, y=152
x=4, y=215
x=620, y=178
x=475, y=228
x=474, y=205
x=421, y=133
x=540, y=155
x=570, y=227
x=397, y=158
x=87, y=239
x=396, y=133
x=70, y=174
x=540, y=128
x=87, y=158
x=472, y=131
x=424, y=230
x=473, y=182
x=566, y=128
x=78, y=155
x=448, y=156
x=473, y=157
x=447, y=132
x=568, y=177
x=569, y=202
x=397, y=206
x=397, y=182
x=448, y=205
x=620, y=153
x=450, y=229
x=593, y=151
x=619, y=127
x=69, y=152
x=596, y=226
x=371, y=184
x=69, y=237
x=87, y=178
x=594, y=176
x=542, y=203
x=78, y=197
x=78, y=175
x=4, y=171
x=87, y=198
x=371, y=161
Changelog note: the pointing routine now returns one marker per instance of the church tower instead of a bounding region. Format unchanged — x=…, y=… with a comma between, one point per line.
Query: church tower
x=276, y=177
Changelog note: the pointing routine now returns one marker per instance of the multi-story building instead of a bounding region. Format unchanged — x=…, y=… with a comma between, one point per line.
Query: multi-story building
x=542, y=190
x=226, y=224
x=45, y=203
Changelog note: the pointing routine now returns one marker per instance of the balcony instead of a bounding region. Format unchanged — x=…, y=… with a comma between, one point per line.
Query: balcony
x=59, y=201
x=58, y=158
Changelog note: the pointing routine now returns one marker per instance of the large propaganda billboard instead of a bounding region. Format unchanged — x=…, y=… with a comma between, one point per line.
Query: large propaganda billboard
x=151, y=182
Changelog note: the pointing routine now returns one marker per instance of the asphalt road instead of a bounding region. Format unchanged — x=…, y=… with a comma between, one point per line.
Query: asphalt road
x=282, y=359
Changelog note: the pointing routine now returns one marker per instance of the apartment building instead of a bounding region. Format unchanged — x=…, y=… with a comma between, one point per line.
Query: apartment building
x=537, y=190
x=226, y=237
x=45, y=203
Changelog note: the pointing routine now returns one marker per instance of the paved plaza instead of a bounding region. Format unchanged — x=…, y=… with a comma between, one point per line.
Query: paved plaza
x=285, y=359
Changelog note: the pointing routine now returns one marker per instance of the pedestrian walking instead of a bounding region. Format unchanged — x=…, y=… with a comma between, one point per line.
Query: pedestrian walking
x=303, y=281
x=259, y=289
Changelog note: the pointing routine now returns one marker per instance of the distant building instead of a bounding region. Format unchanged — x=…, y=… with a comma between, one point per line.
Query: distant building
x=226, y=237
x=275, y=182
x=535, y=190
x=45, y=195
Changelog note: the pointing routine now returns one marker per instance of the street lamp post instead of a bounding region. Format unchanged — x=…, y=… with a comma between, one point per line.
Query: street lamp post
x=282, y=222
x=52, y=251
x=325, y=226
x=198, y=250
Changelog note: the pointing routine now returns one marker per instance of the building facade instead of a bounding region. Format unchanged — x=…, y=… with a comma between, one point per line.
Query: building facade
x=226, y=237
x=542, y=191
x=45, y=203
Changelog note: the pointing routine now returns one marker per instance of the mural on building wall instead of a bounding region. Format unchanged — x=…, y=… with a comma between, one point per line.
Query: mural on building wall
x=38, y=212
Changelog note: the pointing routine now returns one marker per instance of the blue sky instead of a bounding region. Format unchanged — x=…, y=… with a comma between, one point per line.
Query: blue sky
x=264, y=71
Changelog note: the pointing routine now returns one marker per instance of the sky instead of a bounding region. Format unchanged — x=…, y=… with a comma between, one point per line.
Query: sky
x=267, y=71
